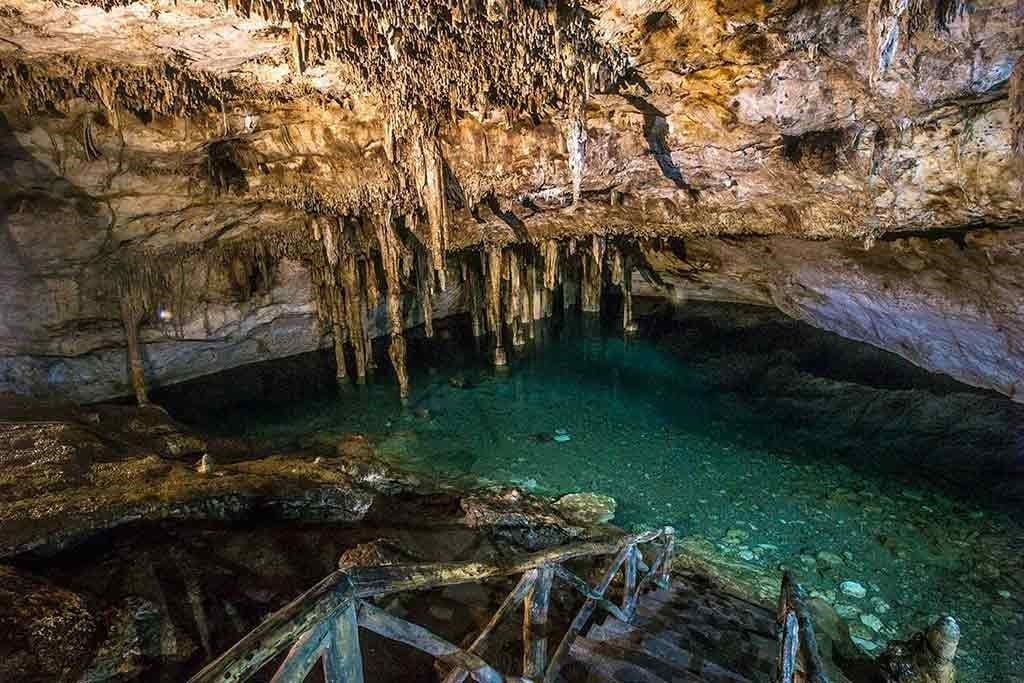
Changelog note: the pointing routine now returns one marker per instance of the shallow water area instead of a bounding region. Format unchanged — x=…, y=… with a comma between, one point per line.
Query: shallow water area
x=766, y=443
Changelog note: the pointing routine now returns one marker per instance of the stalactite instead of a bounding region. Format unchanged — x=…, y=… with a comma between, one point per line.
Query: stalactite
x=550, y=255
x=1017, y=118
x=425, y=280
x=355, y=307
x=475, y=295
x=593, y=264
x=628, y=322
x=493, y=267
x=884, y=24
x=515, y=298
x=429, y=169
x=390, y=253
x=131, y=317
x=576, y=144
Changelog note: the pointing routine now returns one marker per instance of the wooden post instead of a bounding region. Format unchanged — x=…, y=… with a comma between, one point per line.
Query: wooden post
x=535, y=625
x=581, y=618
x=131, y=317
x=790, y=641
x=383, y=624
x=512, y=601
x=343, y=661
x=666, y=566
x=629, y=583
x=303, y=655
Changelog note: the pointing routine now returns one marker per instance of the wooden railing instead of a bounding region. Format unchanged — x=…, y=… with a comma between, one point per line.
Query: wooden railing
x=799, y=659
x=322, y=624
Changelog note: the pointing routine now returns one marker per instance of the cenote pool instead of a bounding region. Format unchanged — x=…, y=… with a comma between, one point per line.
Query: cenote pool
x=766, y=443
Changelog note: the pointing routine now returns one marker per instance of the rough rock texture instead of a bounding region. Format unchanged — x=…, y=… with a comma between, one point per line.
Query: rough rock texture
x=67, y=475
x=221, y=167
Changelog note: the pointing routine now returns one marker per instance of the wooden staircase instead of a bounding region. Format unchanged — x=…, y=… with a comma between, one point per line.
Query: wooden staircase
x=684, y=632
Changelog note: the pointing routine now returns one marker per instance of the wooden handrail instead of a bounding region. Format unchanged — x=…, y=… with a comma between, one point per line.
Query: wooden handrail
x=797, y=642
x=320, y=623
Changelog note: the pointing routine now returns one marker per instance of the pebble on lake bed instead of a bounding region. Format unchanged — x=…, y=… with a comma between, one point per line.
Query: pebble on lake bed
x=853, y=589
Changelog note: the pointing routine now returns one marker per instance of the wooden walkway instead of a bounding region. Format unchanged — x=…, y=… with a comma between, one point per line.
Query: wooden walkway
x=683, y=633
x=657, y=626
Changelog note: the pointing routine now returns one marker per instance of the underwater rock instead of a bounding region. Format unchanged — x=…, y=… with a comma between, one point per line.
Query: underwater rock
x=44, y=629
x=588, y=509
x=927, y=657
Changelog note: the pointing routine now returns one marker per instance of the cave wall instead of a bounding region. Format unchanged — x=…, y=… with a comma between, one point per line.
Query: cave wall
x=948, y=303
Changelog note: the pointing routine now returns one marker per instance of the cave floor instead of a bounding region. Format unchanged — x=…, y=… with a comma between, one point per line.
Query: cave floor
x=767, y=444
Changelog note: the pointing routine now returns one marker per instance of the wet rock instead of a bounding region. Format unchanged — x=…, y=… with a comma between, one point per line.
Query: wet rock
x=872, y=622
x=379, y=552
x=46, y=632
x=206, y=465
x=839, y=652
x=525, y=520
x=927, y=657
x=587, y=509
x=736, y=536
x=829, y=561
x=138, y=633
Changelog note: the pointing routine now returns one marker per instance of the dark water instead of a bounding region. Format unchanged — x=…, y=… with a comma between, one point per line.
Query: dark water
x=769, y=443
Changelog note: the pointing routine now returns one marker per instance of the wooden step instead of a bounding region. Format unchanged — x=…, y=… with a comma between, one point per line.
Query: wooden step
x=654, y=646
x=605, y=662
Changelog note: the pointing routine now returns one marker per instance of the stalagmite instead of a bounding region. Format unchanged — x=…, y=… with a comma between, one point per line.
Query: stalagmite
x=390, y=254
x=493, y=267
x=131, y=317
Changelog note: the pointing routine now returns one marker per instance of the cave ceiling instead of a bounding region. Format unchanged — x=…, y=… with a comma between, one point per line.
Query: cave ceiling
x=169, y=123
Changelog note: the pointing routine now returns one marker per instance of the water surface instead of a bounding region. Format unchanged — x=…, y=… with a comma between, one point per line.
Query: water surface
x=775, y=444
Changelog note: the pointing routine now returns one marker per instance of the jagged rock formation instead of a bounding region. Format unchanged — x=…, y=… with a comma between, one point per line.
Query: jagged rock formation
x=250, y=180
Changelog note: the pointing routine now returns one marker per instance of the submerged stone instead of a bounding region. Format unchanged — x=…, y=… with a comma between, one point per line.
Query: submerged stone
x=853, y=589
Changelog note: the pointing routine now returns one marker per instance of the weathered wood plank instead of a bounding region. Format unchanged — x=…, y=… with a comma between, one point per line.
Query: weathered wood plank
x=789, y=643
x=670, y=548
x=586, y=611
x=513, y=600
x=282, y=627
x=383, y=624
x=535, y=625
x=343, y=661
x=590, y=593
x=303, y=655
x=375, y=581
x=792, y=600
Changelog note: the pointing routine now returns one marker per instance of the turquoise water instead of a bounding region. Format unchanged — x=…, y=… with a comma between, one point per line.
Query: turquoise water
x=756, y=438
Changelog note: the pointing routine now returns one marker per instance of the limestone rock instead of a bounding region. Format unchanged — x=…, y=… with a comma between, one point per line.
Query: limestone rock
x=586, y=509
x=927, y=657
x=379, y=552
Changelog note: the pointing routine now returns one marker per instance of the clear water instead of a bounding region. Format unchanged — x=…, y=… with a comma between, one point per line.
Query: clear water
x=749, y=466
